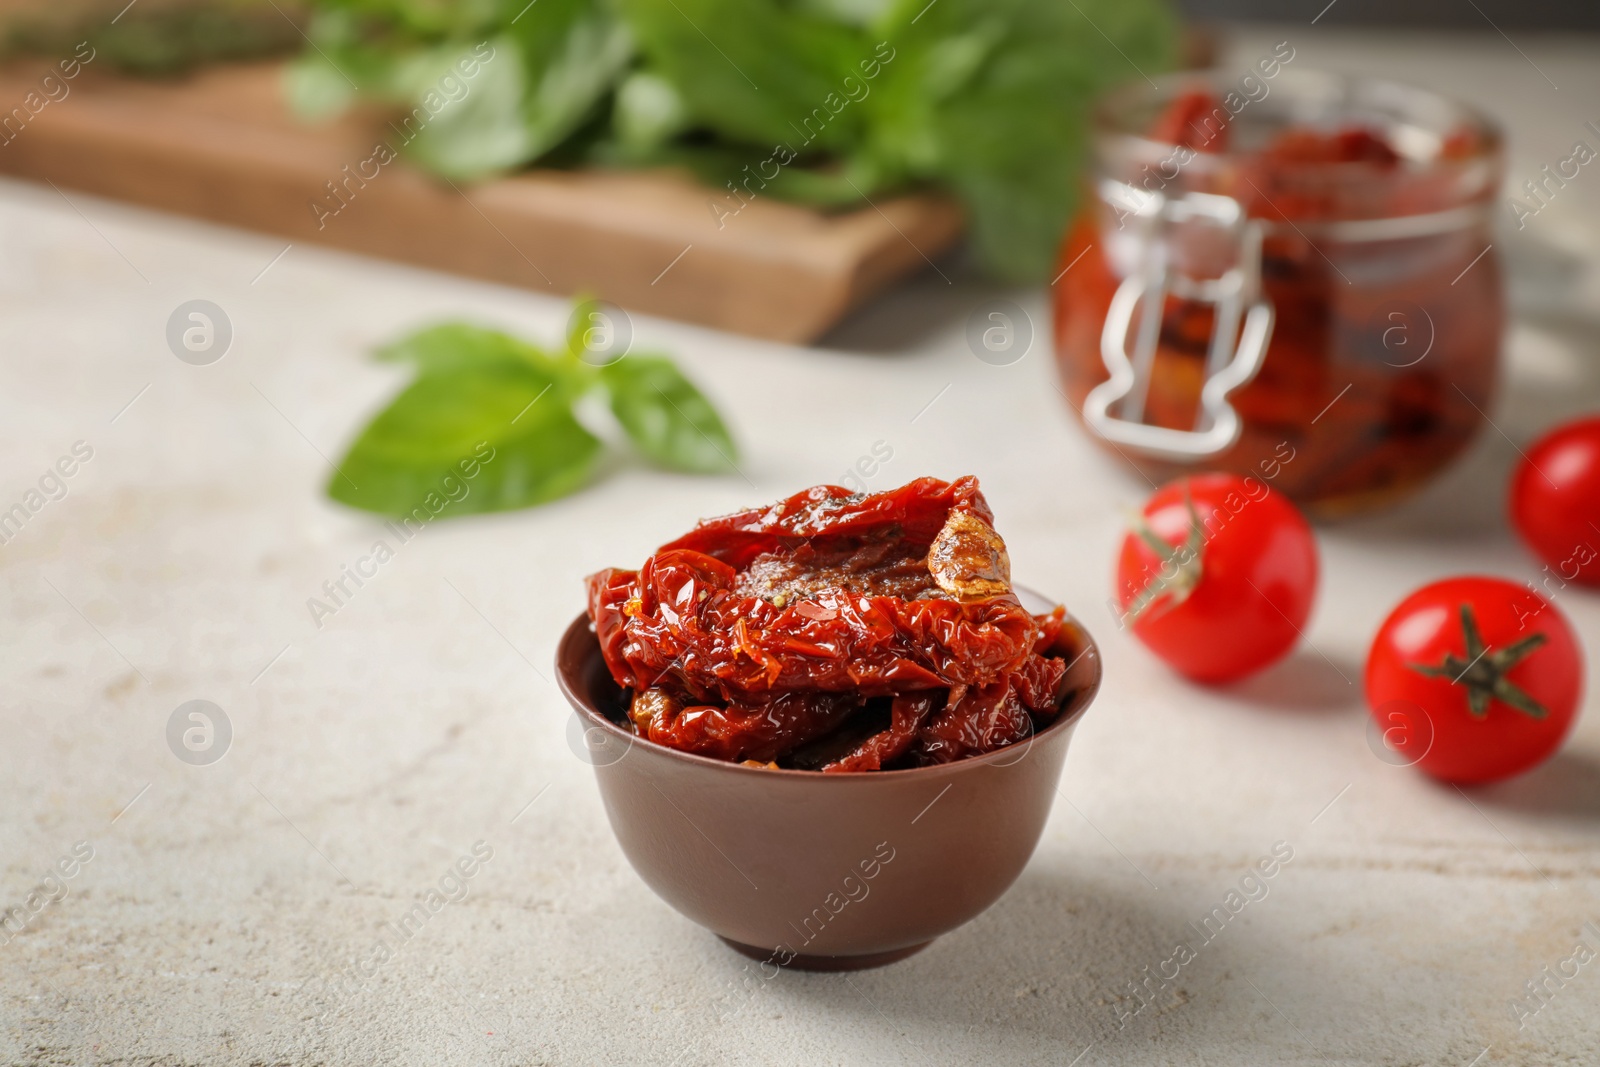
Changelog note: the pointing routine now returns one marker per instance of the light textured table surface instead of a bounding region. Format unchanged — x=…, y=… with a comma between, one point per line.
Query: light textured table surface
x=369, y=755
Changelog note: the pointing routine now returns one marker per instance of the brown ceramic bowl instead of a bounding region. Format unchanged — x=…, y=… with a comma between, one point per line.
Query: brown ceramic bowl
x=824, y=871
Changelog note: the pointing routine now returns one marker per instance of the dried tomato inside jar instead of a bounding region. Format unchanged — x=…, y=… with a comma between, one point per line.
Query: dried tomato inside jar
x=1297, y=285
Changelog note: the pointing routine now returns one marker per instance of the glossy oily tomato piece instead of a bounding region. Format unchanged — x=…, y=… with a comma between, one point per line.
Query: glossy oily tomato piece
x=1555, y=502
x=1219, y=576
x=1474, y=679
x=834, y=631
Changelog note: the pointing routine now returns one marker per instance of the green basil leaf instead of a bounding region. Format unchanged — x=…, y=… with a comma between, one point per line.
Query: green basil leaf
x=544, y=76
x=343, y=63
x=465, y=128
x=647, y=113
x=837, y=184
x=408, y=21
x=482, y=438
x=756, y=71
x=666, y=416
x=315, y=89
x=567, y=85
x=989, y=99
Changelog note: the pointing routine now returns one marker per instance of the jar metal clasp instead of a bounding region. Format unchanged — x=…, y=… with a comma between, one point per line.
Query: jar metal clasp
x=1235, y=352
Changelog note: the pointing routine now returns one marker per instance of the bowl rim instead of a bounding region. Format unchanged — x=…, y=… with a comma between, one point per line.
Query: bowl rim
x=581, y=629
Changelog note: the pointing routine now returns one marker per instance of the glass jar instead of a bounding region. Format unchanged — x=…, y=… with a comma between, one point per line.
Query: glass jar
x=1288, y=277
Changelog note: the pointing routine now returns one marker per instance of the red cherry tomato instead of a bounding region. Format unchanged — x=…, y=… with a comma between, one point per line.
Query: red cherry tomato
x=1220, y=580
x=1474, y=679
x=1555, y=500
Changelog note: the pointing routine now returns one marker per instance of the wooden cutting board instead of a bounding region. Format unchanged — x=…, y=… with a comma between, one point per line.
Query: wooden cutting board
x=221, y=145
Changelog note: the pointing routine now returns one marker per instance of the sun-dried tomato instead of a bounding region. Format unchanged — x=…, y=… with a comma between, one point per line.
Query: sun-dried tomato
x=786, y=633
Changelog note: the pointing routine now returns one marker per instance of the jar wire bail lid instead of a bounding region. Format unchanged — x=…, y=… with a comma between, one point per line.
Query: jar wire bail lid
x=1235, y=352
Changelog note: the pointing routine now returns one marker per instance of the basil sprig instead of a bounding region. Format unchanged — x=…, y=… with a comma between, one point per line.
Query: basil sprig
x=823, y=102
x=503, y=409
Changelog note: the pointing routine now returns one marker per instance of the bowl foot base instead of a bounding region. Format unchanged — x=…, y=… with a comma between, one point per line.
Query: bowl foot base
x=826, y=963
